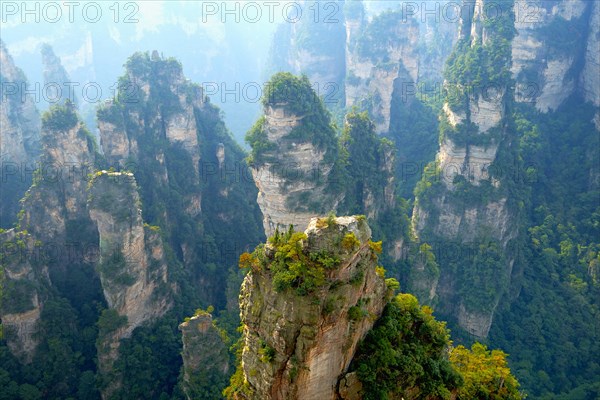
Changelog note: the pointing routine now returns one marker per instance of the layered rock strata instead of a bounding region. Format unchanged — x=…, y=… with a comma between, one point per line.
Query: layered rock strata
x=300, y=347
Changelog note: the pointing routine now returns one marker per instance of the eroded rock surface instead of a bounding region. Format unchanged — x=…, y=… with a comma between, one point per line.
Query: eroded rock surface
x=292, y=181
x=309, y=341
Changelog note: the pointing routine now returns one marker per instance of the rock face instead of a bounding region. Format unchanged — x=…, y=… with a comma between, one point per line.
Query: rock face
x=471, y=161
x=205, y=356
x=20, y=148
x=546, y=69
x=314, y=46
x=438, y=35
x=390, y=54
x=294, y=149
x=58, y=86
x=60, y=195
x=370, y=166
x=301, y=169
x=20, y=118
x=299, y=347
x=114, y=206
x=132, y=265
x=590, y=77
x=364, y=53
x=295, y=173
x=120, y=133
x=116, y=145
x=318, y=50
x=375, y=202
x=19, y=138
x=153, y=129
x=55, y=201
x=164, y=129
x=23, y=285
x=473, y=134
x=373, y=64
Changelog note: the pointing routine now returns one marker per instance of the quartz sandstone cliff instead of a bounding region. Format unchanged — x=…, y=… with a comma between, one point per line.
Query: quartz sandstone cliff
x=548, y=70
x=373, y=66
x=132, y=264
x=24, y=277
x=23, y=284
x=162, y=127
x=19, y=137
x=279, y=188
x=468, y=160
x=205, y=355
x=590, y=77
x=57, y=198
x=59, y=229
x=151, y=127
x=58, y=86
x=365, y=54
x=309, y=341
x=390, y=54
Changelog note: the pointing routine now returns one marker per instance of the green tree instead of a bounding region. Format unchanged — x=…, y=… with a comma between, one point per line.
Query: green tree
x=404, y=353
x=486, y=374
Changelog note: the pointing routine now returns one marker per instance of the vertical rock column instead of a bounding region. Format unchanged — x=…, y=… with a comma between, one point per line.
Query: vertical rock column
x=132, y=267
x=294, y=150
x=298, y=346
x=462, y=207
x=19, y=138
x=205, y=357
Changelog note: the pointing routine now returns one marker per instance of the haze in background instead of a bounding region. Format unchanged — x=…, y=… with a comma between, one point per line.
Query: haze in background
x=222, y=54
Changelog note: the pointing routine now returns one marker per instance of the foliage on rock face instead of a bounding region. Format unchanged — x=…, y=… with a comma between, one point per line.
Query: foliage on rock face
x=292, y=266
x=406, y=351
x=295, y=93
x=485, y=372
x=150, y=360
x=114, y=269
x=365, y=170
x=258, y=141
x=550, y=330
x=60, y=117
x=115, y=194
x=478, y=65
x=379, y=35
x=350, y=242
x=412, y=122
x=296, y=96
x=364, y=161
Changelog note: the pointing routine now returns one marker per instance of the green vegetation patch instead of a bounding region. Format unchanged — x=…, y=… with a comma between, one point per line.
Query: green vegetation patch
x=405, y=350
x=60, y=118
